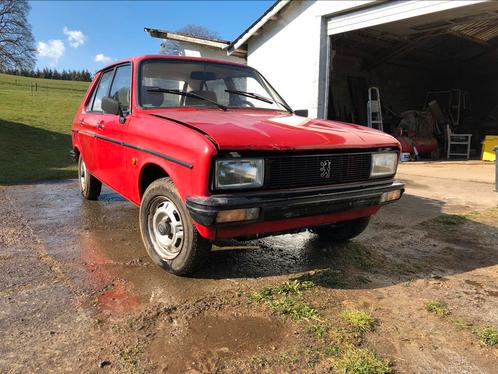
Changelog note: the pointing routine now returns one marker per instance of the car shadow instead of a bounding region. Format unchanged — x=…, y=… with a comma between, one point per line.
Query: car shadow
x=407, y=240
x=29, y=154
x=404, y=241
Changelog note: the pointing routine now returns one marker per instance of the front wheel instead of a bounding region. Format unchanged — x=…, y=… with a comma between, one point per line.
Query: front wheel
x=342, y=231
x=168, y=233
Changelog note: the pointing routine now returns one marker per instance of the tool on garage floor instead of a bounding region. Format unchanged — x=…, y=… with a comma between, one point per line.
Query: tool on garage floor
x=374, y=109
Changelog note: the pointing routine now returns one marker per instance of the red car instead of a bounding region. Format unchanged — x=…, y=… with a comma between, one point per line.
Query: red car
x=209, y=150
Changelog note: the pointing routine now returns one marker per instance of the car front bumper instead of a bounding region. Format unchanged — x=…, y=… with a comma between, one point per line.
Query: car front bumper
x=289, y=205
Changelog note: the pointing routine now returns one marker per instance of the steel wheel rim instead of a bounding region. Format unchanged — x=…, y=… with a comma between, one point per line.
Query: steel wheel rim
x=83, y=175
x=165, y=228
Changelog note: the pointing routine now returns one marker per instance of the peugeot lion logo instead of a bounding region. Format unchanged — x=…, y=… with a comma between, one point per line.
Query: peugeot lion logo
x=325, y=169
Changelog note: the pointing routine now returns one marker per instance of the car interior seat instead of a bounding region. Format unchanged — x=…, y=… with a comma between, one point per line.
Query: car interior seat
x=151, y=99
x=192, y=101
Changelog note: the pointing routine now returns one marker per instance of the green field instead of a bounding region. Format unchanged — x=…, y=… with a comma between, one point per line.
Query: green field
x=35, y=128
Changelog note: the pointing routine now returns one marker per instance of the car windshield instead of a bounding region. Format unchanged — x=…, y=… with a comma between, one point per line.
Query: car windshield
x=173, y=83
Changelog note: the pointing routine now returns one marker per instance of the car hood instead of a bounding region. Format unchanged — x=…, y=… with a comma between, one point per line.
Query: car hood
x=265, y=130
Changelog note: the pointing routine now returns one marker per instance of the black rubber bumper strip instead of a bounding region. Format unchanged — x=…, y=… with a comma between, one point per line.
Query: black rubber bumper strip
x=285, y=205
x=128, y=145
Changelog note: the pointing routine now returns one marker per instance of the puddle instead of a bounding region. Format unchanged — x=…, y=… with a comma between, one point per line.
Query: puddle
x=207, y=341
x=118, y=299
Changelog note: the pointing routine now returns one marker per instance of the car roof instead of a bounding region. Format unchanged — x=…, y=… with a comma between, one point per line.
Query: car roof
x=136, y=59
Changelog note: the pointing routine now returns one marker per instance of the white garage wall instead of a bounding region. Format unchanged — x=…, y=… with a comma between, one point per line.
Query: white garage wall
x=287, y=52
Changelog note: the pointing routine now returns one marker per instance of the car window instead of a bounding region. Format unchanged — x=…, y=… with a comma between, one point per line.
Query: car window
x=102, y=90
x=89, y=104
x=210, y=80
x=250, y=84
x=155, y=100
x=218, y=86
x=120, y=89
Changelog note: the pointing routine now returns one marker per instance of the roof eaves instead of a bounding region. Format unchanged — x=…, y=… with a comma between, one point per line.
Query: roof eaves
x=181, y=37
x=258, y=24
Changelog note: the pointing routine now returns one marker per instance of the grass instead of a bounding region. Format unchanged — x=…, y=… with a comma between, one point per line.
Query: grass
x=35, y=128
x=339, y=345
x=438, y=308
x=449, y=220
x=358, y=320
x=296, y=309
x=487, y=335
x=461, y=324
x=294, y=287
x=361, y=361
x=282, y=299
x=319, y=330
x=326, y=278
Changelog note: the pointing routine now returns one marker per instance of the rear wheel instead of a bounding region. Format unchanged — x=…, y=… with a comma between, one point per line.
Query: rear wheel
x=342, y=231
x=90, y=186
x=168, y=233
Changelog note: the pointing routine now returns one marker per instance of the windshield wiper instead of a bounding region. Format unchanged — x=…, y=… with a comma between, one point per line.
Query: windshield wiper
x=259, y=97
x=188, y=94
x=251, y=95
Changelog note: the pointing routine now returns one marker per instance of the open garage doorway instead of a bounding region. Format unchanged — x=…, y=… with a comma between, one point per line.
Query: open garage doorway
x=436, y=73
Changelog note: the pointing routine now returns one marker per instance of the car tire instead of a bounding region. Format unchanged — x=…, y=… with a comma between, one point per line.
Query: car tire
x=342, y=231
x=163, y=216
x=90, y=186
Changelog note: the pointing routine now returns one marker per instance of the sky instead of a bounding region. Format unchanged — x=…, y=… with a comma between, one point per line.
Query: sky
x=89, y=34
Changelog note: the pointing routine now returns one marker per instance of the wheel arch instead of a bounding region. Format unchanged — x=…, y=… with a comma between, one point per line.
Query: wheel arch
x=149, y=173
x=77, y=152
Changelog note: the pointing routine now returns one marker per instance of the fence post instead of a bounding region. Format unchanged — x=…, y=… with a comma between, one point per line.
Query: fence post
x=36, y=87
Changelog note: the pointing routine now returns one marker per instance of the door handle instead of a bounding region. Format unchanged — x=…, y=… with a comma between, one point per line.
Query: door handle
x=100, y=125
x=82, y=122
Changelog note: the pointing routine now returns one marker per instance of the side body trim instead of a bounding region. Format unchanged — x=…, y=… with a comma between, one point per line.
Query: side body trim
x=132, y=146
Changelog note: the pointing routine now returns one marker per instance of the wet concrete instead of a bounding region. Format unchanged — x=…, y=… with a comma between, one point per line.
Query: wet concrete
x=72, y=270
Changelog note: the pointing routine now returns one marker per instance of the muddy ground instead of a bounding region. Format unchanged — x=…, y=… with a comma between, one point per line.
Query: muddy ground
x=79, y=294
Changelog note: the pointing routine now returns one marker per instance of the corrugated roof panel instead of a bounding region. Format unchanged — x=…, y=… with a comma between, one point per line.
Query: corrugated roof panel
x=482, y=30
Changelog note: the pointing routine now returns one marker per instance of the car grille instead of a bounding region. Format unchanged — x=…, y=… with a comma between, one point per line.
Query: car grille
x=316, y=170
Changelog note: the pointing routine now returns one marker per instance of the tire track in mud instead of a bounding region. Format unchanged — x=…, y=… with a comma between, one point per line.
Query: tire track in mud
x=10, y=218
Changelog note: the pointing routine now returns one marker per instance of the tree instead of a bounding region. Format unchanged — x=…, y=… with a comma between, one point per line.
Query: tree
x=173, y=47
x=17, y=49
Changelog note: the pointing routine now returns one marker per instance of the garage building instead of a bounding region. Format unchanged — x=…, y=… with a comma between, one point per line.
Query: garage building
x=324, y=56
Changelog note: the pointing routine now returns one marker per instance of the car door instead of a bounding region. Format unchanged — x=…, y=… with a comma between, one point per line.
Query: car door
x=88, y=121
x=111, y=132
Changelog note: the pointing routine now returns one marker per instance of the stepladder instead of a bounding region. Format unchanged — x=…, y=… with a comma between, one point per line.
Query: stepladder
x=374, y=109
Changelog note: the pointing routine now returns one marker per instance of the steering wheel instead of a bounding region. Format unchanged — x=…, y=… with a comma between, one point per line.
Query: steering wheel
x=246, y=103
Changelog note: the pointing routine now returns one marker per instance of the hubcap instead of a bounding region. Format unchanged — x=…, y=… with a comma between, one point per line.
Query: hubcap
x=83, y=175
x=165, y=228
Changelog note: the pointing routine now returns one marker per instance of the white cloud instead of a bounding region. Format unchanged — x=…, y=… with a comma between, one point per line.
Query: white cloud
x=53, y=50
x=74, y=37
x=102, y=58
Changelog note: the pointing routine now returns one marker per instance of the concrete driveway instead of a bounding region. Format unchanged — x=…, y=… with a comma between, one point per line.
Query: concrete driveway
x=79, y=294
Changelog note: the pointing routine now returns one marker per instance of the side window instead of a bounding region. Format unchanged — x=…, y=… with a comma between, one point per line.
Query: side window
x=102, y=89
x=120, y=89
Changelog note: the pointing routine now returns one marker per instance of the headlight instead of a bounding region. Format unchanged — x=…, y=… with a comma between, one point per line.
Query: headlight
x=239, y=173
x=384, y=164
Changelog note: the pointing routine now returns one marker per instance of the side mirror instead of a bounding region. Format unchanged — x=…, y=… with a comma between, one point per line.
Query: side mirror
x=301, y=112
x=111, y=106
